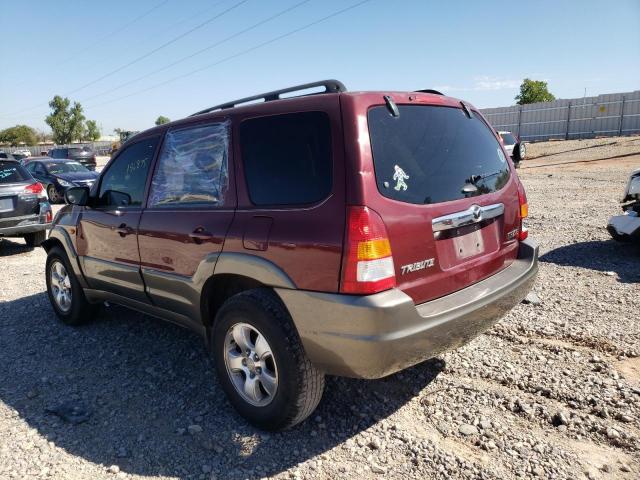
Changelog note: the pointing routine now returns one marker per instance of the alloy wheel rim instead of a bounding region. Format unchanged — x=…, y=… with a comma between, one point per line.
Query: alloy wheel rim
x=60, y=286
x=250, y=364
x=53, y=195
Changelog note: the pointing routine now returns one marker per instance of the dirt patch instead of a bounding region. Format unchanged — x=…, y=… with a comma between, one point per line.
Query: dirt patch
x=630, y=370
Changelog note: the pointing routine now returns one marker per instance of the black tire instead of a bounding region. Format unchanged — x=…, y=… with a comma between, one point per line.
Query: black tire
x=300, y=384
x=81, y=311
x=519, y=152
x=52, y=194
x=35, y=239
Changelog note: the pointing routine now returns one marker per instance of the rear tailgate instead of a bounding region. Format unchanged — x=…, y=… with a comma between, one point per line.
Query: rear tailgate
x=442, y=184
x=14, y=201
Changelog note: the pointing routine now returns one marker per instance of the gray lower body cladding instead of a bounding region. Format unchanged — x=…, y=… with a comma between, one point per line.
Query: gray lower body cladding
x=377, y=335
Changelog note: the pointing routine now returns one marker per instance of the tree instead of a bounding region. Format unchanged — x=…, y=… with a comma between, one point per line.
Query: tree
x=18, y=135
x=91, y=131
x=533, y=91
x=161, y=120
x=66, y=121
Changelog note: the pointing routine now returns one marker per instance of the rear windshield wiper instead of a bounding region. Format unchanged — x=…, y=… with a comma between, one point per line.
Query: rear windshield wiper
x=474, y=179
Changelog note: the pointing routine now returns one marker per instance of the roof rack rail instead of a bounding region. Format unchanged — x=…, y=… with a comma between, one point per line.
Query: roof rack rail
x=430, y=90
x=331, y=86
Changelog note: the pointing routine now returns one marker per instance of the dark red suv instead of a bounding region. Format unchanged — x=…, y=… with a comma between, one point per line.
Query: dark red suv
x=340, y=233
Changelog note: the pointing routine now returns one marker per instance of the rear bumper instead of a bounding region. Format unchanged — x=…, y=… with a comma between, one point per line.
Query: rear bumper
x=627, y=224
x=377, y=335
x=26, y=224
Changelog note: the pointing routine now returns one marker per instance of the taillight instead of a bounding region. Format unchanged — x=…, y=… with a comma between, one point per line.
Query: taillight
x=34, y=188
x=523, y=212
x=49, y=216
x=367, y=263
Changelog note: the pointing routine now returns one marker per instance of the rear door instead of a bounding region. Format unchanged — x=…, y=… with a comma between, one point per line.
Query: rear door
x=107, y=237
x=189, y=210
x=446, y=193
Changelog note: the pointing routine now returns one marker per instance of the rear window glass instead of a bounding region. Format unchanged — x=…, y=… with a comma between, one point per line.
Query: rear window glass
x=11, y=172
x=287, y=158
x=429, y=153
x=508, y=139
x=75, y=151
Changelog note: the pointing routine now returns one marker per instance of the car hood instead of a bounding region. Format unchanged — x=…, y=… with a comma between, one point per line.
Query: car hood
x=75, y=176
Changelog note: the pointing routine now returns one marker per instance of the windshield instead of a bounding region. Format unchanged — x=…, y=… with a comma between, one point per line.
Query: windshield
x=65, y=167
x=11, y=172
x=508, y=139
x=428, y=154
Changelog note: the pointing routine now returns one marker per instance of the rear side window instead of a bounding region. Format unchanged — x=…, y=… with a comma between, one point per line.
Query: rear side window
x=287, y=158
x=192, y=167
x=11, y=172
x=428, y=154
x=508, y=139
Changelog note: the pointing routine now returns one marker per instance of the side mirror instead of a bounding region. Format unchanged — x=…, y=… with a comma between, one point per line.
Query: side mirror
x=77, y=196
x=116, y=199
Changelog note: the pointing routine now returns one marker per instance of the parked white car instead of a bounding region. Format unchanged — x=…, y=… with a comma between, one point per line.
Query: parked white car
x=626, y=227
x=24, y=151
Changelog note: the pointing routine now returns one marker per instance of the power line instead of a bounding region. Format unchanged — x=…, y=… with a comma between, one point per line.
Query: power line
x=236, y=55
x=166, y=44
x=209, y=47
x=112, y=33
x=141, y=57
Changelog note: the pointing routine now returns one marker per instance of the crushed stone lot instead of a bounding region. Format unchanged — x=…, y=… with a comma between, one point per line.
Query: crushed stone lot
x=552, y=391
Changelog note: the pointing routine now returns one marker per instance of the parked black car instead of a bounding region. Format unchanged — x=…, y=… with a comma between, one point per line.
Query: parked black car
x=59, y=175
x=24, y=209
x=84, y=155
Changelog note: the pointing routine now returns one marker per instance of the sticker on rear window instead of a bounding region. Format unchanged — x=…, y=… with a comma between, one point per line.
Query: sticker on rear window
x=399, y=176
x=501, y=156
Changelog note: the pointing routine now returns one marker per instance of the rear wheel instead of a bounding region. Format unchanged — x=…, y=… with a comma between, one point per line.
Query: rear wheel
x=35, y=239
x=53, y=195
x=261, y=363
x=64, y=291
x=519, y=152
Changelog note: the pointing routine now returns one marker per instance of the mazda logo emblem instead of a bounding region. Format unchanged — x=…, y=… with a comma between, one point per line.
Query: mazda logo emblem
x=477, y=212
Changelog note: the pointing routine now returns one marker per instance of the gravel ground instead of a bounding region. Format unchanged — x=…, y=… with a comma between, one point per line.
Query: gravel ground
x=553, y=391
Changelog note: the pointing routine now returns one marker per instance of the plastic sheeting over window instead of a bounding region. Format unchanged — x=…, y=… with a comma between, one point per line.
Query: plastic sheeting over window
x=192, y=167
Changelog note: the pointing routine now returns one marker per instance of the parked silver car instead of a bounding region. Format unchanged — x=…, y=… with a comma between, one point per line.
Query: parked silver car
x=626, y=227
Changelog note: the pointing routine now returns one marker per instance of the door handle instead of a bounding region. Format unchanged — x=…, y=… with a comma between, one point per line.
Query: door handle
x=200, y=235
x=123, y=230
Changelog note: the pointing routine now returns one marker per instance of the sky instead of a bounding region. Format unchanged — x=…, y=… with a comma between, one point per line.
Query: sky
x=127, y=62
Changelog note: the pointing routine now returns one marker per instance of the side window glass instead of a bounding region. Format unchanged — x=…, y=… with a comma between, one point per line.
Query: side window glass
x=123, y=184
x=39, y=169
x=287, y=158
x=30, y=167
x=192, y=167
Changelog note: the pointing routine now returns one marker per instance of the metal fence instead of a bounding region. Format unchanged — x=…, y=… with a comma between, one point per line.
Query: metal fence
x=101, y=148
x=605, y=115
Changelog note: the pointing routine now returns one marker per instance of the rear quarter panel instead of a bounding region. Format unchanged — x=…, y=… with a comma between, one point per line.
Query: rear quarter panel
x=305, y=242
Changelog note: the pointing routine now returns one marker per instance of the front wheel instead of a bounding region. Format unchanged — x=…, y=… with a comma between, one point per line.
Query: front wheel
x=64, y=291
x=261, y=363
